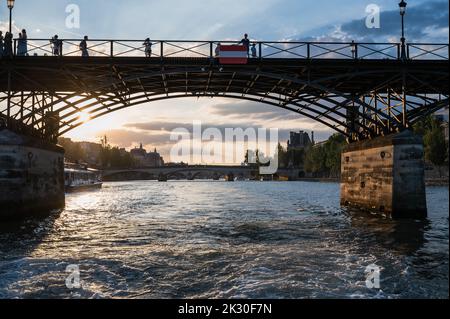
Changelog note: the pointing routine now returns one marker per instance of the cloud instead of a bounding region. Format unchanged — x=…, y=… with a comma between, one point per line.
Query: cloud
x=253, y=110
x=421, y=21
x=129, y=138
x=155, y=132
x=424, y=22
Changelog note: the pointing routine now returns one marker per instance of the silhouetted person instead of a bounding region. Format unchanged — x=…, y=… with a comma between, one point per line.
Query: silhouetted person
x=246, y=43
x=1, y=44
x=253, y=49
x=8, y=46
x=19, y=48
x=56, y=46
x=148, y=47
x=84, y=48
x=22, y=44
x=217, y=51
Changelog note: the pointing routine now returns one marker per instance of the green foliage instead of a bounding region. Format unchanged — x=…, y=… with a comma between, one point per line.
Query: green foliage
x=112, y=157
x=109, y=157
x=315, y=160
x=74, y=152
x=296, y=158
x=325, y=160
x=436, y=148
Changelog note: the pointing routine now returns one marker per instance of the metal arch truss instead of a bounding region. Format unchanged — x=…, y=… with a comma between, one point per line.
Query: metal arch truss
x=359, y=101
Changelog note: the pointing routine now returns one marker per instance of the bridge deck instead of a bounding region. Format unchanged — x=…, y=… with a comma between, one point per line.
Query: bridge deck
x=78, y=74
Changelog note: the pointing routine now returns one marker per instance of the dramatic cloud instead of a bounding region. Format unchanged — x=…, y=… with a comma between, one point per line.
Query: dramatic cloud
x=424, y=22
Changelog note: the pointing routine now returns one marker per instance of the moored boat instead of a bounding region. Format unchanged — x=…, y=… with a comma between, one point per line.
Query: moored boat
x=81, y=179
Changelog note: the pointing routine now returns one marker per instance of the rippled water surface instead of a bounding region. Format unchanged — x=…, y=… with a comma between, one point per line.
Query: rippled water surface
x=223, y=240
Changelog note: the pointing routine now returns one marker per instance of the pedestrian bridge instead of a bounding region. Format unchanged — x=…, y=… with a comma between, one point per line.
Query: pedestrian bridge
x=361, y=90
x=369, y=92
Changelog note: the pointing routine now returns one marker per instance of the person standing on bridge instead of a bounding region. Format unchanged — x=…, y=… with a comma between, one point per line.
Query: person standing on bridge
x=217, y=50
x=22, y=46
x=8, y=46
x=56, y=45
x=148, y=48
x=254, y=53
x=24, y=42
x=84, y=47
x=246, y=43
x=19, y=46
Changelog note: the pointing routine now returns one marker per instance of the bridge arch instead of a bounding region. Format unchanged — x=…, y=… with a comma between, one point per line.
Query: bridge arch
x=369, y=111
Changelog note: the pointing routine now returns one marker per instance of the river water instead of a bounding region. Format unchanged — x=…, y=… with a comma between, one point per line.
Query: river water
x=223, y=240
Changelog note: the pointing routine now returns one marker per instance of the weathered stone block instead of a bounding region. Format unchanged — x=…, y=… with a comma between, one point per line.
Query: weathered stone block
x=31, y=176
x=385, y=175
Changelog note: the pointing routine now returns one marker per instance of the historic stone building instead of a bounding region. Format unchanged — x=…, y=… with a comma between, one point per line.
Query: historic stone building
x=300, y=141
x=144, y=159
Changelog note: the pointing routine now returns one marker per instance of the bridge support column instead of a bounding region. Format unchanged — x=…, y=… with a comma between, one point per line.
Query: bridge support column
x=386, y=176
x=31, y=176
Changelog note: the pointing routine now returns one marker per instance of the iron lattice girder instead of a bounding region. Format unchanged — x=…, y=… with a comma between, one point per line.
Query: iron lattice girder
x=320, y=89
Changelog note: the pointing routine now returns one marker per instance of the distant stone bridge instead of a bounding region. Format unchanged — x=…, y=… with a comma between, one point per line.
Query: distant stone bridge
x=193, y=173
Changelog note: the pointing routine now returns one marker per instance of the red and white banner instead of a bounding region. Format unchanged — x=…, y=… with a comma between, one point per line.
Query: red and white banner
x=233, y=54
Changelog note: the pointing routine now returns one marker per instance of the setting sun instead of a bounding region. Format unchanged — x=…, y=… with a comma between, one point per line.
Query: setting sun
x=84, y=117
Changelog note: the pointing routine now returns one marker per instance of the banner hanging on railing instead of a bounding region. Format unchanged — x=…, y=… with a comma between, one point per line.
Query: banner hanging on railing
x=233, y=54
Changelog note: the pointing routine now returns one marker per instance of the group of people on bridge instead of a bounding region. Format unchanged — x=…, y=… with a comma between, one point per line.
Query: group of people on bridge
x=7, y=44
x=57, y=46
x=7, y=47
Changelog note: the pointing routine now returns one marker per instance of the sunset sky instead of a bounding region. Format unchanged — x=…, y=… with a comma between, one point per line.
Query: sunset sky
x=151, y=124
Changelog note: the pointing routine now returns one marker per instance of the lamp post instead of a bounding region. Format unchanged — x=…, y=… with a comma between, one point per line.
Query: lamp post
x=402, y=6
x=10, y=4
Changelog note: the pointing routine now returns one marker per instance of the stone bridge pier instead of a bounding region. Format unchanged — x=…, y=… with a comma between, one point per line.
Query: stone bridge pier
x=385, y=176
x=31, y=176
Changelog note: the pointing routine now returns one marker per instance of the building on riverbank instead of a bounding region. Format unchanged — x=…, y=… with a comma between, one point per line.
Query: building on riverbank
x=144, y=159
x=300, y=141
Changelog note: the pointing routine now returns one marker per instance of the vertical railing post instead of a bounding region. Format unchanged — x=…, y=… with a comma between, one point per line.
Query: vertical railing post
x=398, y=51
x=308, y=50
x=356, y=50
x=407, y=51
x=8, y=103
x=260, y=50
x=211, y=49
x=15, y=47
x=112, y=48
x=162, y=49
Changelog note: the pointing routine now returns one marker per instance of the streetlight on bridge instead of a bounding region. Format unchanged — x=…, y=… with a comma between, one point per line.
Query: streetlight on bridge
x=10, y=4
x=402, y=6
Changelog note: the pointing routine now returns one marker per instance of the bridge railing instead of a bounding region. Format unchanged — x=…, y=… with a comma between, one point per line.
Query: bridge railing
x=264, y=49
